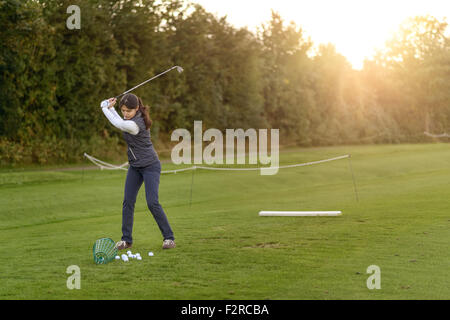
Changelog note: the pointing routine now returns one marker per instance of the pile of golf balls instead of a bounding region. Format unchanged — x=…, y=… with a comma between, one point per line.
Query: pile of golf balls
x=130, y=255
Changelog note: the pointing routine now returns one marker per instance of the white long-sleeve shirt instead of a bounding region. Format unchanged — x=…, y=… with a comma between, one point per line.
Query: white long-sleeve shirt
x=117, y=121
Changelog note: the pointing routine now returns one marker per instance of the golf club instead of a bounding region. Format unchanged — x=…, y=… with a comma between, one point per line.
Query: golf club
x=179, y=69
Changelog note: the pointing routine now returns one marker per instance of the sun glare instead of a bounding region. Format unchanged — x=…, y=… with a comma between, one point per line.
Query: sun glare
x=356, y=27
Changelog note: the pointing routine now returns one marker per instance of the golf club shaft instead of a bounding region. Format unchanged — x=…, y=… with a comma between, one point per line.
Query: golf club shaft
x=158, y=75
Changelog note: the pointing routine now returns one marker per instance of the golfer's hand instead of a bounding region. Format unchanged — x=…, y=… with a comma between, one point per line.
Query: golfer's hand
x=111, y=102
x=108, y=103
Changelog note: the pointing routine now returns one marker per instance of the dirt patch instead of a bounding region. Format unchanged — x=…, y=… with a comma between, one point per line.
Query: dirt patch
x=273, y=245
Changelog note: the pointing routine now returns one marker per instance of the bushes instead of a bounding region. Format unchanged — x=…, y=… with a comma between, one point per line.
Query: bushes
x=52, y=79
x=52, y=151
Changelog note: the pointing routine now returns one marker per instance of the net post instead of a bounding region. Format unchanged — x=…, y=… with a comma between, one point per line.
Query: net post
x=353, y=177
x=192, y=185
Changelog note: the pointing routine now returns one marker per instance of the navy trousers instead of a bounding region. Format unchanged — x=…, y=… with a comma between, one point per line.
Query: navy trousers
x=150, y=176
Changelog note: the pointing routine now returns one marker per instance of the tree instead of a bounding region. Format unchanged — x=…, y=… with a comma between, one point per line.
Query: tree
x=288, y=98
x=417, y=60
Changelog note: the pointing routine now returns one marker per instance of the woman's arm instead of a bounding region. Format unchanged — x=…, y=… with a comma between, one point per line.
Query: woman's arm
x=113, y=117
x=113, y=110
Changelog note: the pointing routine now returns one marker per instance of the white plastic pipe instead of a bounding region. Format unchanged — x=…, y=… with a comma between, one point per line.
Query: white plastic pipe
x=298, y=213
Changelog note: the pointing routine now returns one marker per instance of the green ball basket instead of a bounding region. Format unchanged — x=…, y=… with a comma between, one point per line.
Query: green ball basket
x=104, y=251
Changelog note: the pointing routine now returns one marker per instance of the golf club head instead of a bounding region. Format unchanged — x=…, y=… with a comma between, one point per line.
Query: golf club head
x=179, y=69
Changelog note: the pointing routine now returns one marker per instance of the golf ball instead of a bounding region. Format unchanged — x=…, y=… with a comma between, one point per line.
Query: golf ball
x=150, y=254
x=139, y=258
x=124, y=257
x=117, y=258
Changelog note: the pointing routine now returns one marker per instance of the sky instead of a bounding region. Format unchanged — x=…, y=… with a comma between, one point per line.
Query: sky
x=355, y=27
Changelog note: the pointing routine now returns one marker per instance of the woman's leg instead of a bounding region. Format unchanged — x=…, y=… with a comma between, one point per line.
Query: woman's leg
x=132, y=185
x=151, y=179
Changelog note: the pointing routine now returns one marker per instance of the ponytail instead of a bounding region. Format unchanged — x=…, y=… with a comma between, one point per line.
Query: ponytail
x=145, y=114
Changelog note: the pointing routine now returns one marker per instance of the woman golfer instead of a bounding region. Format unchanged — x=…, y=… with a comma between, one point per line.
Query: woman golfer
x=144, y=166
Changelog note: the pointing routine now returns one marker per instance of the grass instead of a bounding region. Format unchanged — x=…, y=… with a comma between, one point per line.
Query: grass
x=51, y=219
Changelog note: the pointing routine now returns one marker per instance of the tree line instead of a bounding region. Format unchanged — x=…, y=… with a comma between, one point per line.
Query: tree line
x=53, y=79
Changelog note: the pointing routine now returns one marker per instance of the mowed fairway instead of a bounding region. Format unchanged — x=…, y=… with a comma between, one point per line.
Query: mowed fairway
x=50, y=220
